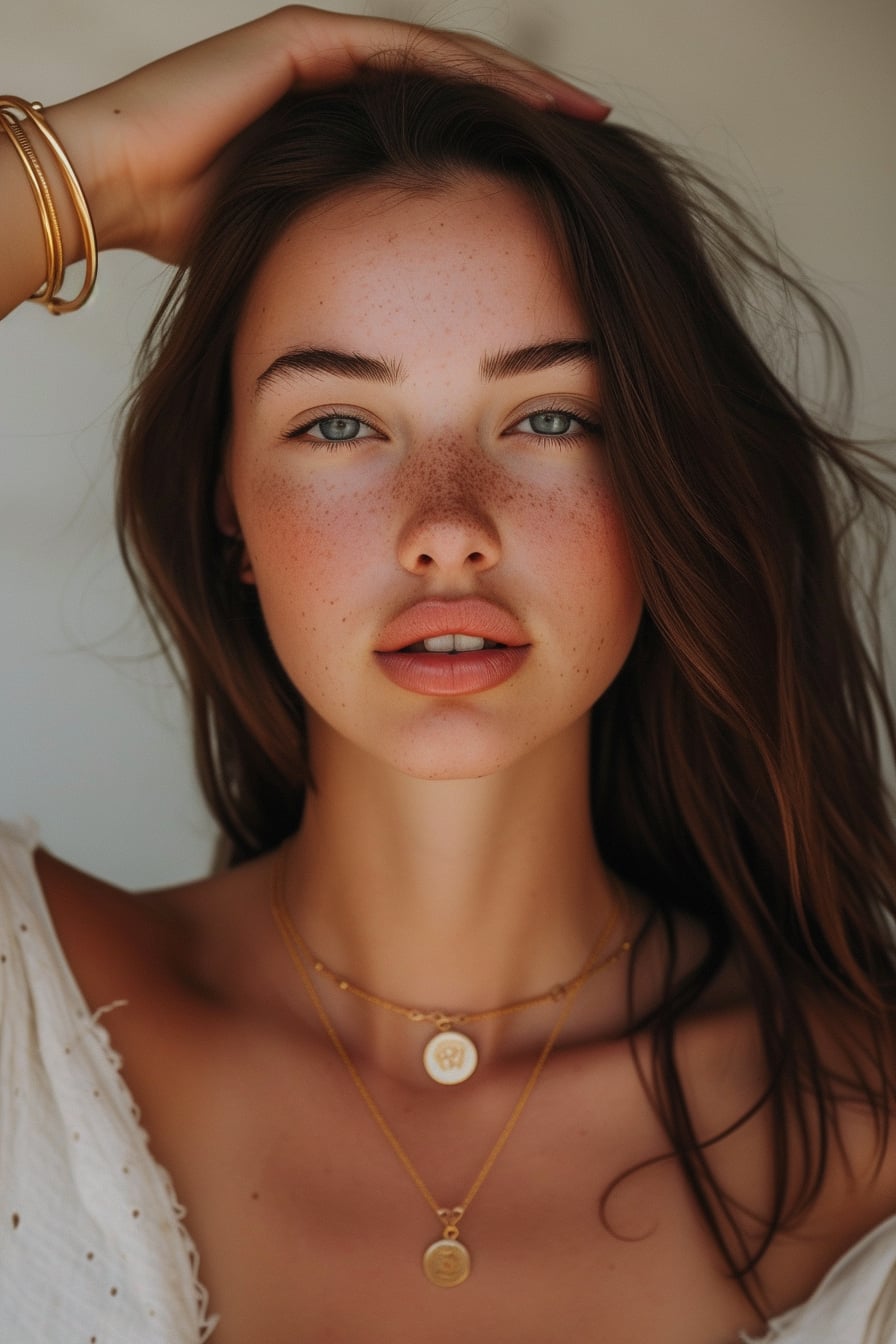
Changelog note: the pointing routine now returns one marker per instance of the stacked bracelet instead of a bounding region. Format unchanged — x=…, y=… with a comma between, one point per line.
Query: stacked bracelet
x=15, y=114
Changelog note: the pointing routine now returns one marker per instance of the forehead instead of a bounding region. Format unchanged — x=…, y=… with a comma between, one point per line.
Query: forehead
x=445, y=273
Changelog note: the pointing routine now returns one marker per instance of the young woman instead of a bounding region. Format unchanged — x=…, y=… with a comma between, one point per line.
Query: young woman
x=550, y=992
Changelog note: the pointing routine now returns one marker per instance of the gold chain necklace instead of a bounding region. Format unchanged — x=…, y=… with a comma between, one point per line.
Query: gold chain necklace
x=450, y=1056
x=446, y=1262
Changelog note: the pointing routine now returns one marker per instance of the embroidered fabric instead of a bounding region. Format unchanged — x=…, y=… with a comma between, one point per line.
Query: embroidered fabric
x=93, y=1247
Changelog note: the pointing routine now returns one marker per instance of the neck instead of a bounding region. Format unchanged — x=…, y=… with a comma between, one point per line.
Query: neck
x=448, y=894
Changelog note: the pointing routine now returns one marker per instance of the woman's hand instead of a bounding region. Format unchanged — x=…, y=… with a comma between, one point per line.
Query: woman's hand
x=148, y=147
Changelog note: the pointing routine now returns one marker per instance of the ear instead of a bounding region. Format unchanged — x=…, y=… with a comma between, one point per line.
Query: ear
x=225, y=509
x=229, y=524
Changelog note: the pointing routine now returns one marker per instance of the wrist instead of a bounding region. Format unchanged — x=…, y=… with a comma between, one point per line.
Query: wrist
x=17, y=114
x=98, y=181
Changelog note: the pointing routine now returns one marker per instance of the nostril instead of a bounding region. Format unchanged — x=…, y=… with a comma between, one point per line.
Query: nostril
x=462, y=546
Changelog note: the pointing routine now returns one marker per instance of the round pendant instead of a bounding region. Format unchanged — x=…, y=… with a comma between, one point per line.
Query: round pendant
x=450, y=1057
x=446, y=1263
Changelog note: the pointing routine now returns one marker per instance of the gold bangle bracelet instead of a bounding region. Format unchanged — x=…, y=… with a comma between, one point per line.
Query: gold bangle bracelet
x=12, y=109
x=44, y=200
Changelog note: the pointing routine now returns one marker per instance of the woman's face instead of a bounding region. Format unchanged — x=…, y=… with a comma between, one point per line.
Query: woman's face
x=416, y=452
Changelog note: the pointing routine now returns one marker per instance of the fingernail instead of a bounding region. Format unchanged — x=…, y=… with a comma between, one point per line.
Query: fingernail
x=597, y=108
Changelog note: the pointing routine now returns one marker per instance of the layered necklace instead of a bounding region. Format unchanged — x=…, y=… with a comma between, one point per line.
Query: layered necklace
x=449, y=1057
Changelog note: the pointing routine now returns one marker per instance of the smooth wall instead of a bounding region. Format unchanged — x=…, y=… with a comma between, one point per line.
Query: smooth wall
x=793, y=100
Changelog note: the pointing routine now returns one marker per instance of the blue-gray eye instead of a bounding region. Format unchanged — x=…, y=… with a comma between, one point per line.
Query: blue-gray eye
x=336, y=427
x=551, y=422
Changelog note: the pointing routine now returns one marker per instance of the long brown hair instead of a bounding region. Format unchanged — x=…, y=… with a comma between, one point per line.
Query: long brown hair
x=736, y=772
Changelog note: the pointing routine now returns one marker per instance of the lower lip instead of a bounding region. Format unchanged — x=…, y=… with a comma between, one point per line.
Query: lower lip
x=452, y=673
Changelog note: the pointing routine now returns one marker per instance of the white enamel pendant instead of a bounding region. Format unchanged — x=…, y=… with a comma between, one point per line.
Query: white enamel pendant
x=450, y=1057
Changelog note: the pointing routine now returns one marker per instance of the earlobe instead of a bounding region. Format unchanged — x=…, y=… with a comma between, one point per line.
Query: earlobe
x=228, y=524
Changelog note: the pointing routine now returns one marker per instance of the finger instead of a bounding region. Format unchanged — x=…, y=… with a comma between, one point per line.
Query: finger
x=535, y=85
x=333, y=54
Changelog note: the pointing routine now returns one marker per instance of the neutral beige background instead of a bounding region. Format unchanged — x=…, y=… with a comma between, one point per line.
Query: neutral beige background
x=795, y=99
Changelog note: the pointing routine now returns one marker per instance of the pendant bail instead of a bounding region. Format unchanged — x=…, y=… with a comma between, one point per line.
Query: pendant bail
x=450, y=1219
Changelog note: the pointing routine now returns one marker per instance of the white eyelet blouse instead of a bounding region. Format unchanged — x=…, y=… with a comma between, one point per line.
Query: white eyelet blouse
x=93, y=1249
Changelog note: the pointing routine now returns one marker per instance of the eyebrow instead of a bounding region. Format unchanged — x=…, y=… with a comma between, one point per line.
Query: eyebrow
x=531, y=358
x=503, y=364
x=314, y=360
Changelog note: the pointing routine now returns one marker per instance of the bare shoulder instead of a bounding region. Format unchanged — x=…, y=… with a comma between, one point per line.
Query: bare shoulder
x=122, y=944
x=110, y=937
x=847, y=1187
x=859, y=1059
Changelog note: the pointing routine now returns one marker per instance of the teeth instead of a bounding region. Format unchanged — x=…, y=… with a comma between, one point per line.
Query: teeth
x=453, y=643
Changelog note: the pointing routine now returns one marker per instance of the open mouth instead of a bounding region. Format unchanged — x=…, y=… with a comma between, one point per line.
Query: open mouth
x=452, y=664
x=452, y=644
x=440, y=647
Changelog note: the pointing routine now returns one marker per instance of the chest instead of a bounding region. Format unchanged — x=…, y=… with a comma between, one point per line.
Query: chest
x=533, y=1286
x=350, y=1278
x=311, y=1229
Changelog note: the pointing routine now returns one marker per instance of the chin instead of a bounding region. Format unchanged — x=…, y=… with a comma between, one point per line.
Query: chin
x=464, y=761
x=451, y=770
x=458, y=751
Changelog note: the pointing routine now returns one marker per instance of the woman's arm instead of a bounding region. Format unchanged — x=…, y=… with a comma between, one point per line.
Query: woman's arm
x=148, y=148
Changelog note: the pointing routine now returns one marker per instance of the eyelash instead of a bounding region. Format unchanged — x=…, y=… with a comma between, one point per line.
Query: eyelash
x=588, y=427
x=332, y=413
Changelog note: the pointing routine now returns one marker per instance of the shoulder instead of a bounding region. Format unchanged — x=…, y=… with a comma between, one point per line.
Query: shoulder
x=156, y=945
x=839, y=1190
x=855, y=1300
x=116, y=942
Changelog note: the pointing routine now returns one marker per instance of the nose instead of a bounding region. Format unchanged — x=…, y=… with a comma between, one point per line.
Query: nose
x=449, y=533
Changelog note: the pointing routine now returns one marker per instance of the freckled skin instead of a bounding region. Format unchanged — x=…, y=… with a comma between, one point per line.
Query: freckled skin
x=446, y=495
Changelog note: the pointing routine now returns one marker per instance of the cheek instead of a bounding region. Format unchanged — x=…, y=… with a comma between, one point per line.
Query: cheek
x=580, y=531
x=597, y=589
x=309, y=545
x=601, y=532
x=304, y=537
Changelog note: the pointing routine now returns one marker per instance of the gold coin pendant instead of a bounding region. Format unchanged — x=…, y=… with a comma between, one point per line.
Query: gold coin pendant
x=450, y=1057
x=446, y=1263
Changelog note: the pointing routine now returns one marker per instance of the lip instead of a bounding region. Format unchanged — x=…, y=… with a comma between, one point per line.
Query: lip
x=458, y=616
x=456, y=673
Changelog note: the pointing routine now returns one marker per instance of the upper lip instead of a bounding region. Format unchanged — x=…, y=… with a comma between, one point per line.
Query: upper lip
x=447, y=616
